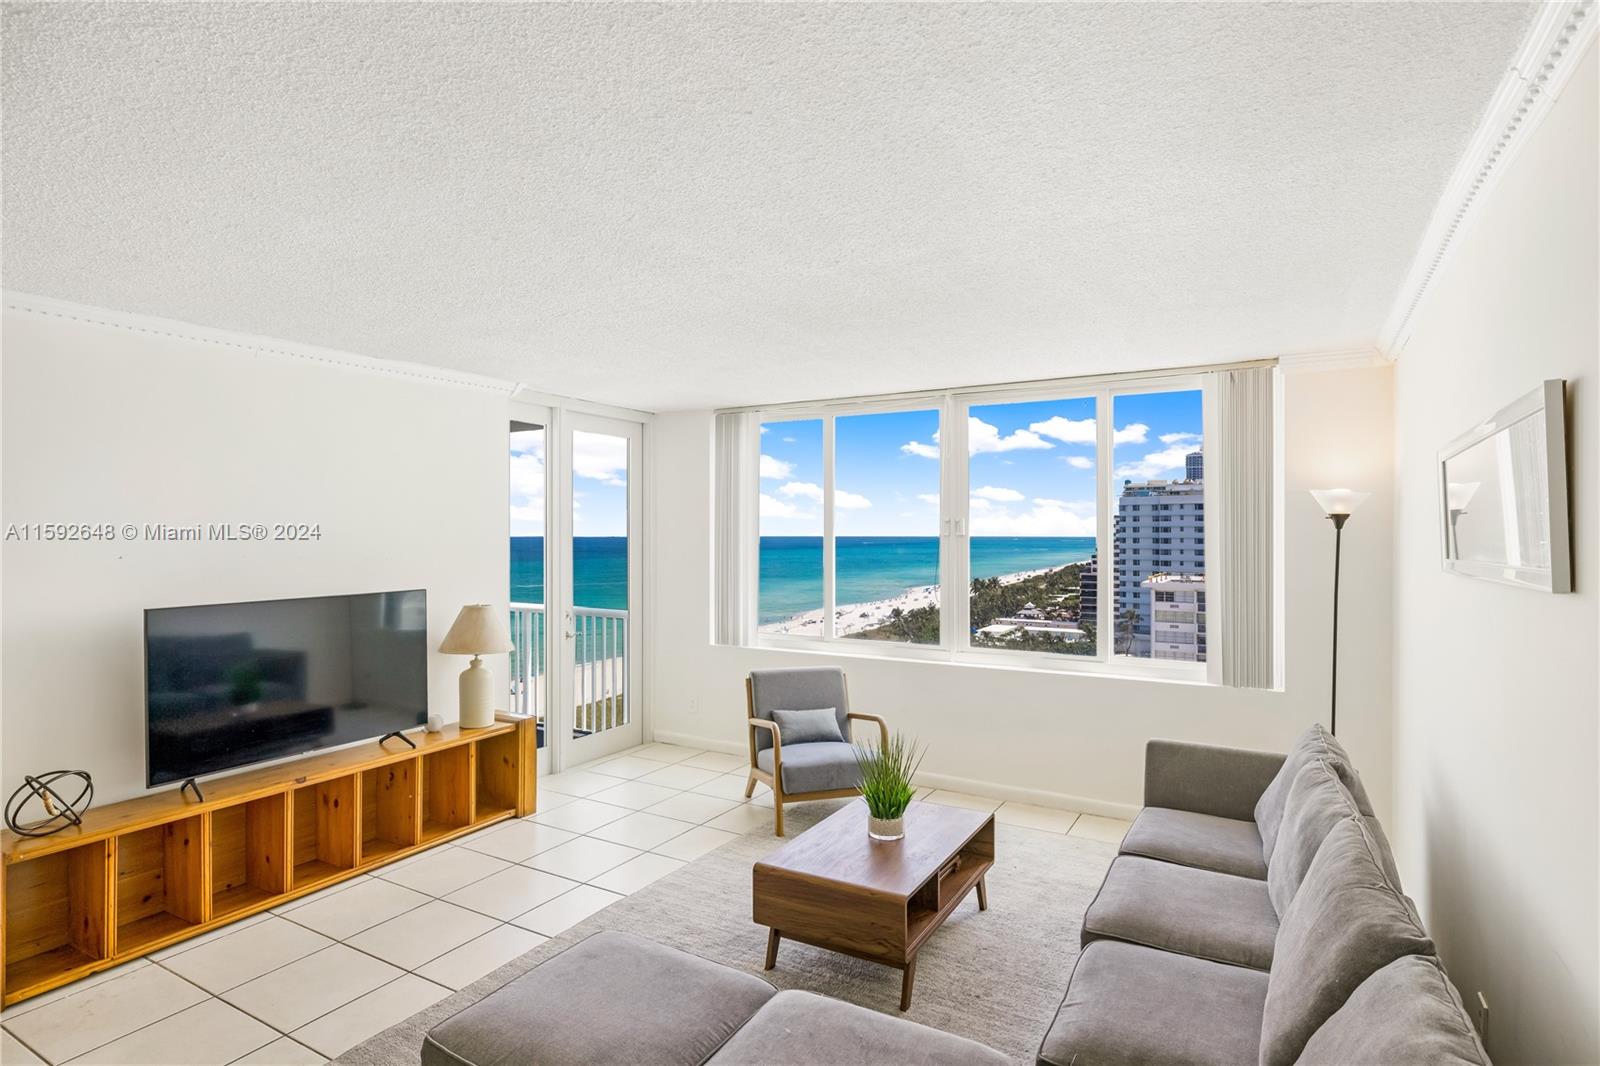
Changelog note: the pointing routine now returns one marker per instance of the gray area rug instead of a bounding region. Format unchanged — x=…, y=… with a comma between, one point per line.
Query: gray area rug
x=995, y=976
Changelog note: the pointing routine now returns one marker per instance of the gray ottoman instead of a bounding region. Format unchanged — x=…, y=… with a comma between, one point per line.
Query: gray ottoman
x=611, y=998
x=805, y=1029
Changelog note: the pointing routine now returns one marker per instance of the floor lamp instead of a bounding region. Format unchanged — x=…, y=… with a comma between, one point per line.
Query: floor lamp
x=1338, y=505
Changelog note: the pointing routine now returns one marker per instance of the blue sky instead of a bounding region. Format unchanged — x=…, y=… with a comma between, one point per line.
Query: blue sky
x=1032, y=466
x=599, y=484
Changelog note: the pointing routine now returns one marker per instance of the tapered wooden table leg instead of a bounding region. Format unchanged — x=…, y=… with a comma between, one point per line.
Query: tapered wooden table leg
x=772, y=949
x=906, y=982
x=983, y=893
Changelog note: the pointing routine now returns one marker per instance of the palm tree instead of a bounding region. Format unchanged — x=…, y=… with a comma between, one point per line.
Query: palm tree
x=1129, y=617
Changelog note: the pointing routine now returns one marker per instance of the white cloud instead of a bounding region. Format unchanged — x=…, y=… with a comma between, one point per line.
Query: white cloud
x=916, y=447
x=804, y=489
x=929, y=497
x=774, y=469
x=983, y=438
x=1156, y=463
x=1080, y=462
x=1081, y=431
x=978, y=503
x=1047, y=518
x=998, y=495
x=600, y=457
x=1180, y=438
x=772, y=507
x=763, y=431
x=1066, y=430
x=849, y=501
x=789, y=440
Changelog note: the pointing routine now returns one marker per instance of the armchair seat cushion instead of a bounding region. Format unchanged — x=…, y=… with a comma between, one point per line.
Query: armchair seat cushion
x=1204, y=841
x=1128, y=1005
x=1181, y=909
x=821, y=766
x=803, y=1028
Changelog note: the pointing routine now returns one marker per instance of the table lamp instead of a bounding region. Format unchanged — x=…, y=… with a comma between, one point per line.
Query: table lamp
x=478, y=630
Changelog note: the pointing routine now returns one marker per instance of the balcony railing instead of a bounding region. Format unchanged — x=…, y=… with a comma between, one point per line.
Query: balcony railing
x=600, y=677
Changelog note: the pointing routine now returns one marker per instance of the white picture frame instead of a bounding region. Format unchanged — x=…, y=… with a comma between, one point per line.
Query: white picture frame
x=1503, y=495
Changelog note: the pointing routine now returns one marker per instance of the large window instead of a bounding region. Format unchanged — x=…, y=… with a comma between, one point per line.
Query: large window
x=1047, y=526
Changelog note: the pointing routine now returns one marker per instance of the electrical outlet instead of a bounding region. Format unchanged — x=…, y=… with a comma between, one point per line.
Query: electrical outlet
x=1483, y=1018
x=694, y=705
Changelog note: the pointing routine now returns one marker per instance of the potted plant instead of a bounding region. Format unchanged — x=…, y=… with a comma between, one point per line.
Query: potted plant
x=886, y=774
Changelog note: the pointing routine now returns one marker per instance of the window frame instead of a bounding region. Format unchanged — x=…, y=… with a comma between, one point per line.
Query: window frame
x=955, y=638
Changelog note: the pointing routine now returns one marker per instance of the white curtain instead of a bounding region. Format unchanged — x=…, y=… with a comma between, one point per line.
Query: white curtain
x=1240, y=466
x=737, y=526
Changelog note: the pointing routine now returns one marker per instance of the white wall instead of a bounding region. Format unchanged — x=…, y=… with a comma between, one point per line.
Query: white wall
x=1496, y=691
x=1056, y=738
x=105, y=424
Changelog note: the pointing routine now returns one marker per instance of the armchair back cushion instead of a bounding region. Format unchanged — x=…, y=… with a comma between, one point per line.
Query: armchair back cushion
x=797, y=688
x=808, y=727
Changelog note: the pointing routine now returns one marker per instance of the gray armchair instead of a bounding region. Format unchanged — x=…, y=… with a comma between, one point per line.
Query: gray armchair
x=818, y=769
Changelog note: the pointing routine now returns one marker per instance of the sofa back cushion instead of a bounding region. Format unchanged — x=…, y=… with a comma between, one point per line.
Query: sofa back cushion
x=795, y=688
x=1316, y=802
x=1406, y=1012
x=1347, y=921
x=1314, y=743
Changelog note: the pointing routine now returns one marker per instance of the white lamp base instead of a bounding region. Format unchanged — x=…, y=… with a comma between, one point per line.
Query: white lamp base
x=477, y=696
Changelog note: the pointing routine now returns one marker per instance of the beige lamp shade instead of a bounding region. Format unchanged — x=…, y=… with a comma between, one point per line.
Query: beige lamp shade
x=478, y=630
x=1339, y=501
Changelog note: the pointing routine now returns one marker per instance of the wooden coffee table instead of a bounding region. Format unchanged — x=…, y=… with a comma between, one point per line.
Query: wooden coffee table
x=834, y=887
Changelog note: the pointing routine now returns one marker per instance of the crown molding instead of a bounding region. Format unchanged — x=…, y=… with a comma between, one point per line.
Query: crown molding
x=50, y=307
x=1339, y=359
x=1560, y=35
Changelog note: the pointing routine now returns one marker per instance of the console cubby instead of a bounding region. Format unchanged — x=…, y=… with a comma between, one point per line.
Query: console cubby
x=499, y=759
x=161, y=883
x=391, y=810
x=57, y=914
x=249, y=854
x=325, y=830
x=449, y=791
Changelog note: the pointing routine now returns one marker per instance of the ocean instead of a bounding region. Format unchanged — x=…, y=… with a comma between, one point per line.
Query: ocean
x=869, y=568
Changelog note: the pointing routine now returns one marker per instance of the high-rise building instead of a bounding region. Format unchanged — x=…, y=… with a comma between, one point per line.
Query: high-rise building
x=1089, y=591
x=1177, y=613
x=1159, y=529
x=1194, y=466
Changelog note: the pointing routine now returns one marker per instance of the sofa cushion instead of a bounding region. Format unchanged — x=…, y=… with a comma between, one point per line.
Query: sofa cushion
x=808, y=727
x=797, y=686
x=1179, y=908
x=803, y=1028
x=1406, y=1012
x=1226, y=845
x=1128, y=1005
x=1346, y=923
x=1314, y=743
x=1316, y=803
x=823, y=766
x=679, y=1009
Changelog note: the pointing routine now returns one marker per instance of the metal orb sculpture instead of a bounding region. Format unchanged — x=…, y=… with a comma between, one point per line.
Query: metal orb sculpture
x=45, y=794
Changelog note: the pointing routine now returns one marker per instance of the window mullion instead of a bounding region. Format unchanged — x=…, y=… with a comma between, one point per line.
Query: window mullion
x=828, y=568
x=1105, y=550
x=956, y=608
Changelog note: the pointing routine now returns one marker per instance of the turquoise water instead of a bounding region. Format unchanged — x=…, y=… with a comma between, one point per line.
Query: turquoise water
x=869, y=568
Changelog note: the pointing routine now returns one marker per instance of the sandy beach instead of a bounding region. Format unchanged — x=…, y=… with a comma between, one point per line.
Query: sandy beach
x=853, y=618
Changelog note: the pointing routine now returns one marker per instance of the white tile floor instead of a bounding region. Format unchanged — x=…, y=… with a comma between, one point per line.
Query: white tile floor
x=313, y=978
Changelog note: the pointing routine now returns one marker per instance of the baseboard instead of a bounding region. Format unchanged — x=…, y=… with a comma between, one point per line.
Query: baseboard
x=1013, y=793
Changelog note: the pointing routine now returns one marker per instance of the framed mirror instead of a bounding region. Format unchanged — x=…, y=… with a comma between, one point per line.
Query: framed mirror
x=1503, y=495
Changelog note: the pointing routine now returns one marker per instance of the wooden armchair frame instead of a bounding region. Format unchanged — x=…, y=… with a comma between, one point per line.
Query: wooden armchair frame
x=774, y=780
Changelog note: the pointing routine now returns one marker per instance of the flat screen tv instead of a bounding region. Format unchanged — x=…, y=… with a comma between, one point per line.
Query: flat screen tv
x=231, y=684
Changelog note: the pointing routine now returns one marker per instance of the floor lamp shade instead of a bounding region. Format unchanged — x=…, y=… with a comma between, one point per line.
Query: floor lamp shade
x=478, y=630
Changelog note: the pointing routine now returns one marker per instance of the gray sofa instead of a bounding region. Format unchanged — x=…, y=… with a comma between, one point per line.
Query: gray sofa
x=618, y=998
x=1254, y=915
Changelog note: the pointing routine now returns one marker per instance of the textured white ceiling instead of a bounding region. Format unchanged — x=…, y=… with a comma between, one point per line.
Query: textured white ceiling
x=672, y=206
